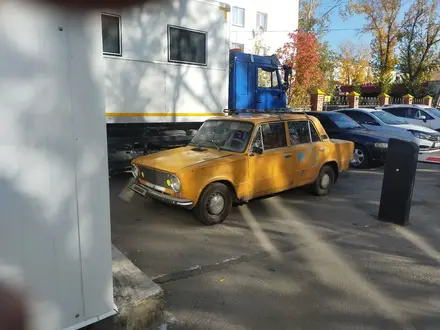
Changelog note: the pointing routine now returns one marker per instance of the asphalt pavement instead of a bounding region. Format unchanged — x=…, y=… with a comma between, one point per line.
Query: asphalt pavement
x=291, y=261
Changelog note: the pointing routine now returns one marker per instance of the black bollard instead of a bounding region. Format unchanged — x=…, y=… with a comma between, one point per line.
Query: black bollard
x=398, y=181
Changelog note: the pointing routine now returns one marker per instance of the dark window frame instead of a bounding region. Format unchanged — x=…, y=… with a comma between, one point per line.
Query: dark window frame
x=310, y=127
x=169, y=27
x=119, y=17
x=260, y=126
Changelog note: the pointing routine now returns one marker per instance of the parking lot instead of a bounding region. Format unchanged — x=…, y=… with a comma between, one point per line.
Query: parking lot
x=291, y=261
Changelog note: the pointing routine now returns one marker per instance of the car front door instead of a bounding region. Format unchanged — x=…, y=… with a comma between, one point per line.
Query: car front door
x=309, y=151
x=270, y=160
x=269, y=93
x=365, y=119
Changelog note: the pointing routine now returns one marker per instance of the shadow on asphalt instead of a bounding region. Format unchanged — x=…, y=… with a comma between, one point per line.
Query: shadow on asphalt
x=293, y=258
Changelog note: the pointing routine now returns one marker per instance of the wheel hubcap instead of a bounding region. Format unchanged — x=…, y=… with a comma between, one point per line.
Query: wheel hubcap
x=325, y=181
x=358, y=157
x=216, y=204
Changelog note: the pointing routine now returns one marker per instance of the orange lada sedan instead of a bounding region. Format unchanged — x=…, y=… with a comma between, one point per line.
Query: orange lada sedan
x=234, y=159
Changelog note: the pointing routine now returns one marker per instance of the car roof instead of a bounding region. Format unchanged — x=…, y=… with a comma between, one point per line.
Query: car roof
x=359, y=109
x=258, y=118
x=404, y=105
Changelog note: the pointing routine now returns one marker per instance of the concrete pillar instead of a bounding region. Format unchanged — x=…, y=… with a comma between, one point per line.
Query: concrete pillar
x=427, y=100
x=384, y=99
x=353, y=99
x=408, y=99
x=317, y=100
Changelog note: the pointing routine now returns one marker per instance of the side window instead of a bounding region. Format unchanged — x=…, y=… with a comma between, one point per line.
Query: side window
x=111, y=34
x=314, y=133
x=267, y=78
x=274, y=136
x=298, y=132
x=186, y=46
x=423, y=113
x=361, y=118
x=399, y=112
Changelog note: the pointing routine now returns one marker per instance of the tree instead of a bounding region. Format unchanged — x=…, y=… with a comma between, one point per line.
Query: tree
x=419, y=49
x=311, y=21
x=314, y=19
x=354, y=68
x=382, y=22
x=302, y=55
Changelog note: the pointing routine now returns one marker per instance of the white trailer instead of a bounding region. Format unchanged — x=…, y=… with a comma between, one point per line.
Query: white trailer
x=166, y=71
x=57, y=91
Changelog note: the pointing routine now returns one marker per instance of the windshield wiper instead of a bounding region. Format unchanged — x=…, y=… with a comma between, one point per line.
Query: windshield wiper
x=218, y=148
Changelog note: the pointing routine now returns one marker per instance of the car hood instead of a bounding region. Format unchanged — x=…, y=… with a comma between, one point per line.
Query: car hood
x=418, y=128
x=174, y=160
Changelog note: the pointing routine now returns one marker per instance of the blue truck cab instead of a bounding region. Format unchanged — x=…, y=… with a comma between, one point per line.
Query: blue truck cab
x=255, y=82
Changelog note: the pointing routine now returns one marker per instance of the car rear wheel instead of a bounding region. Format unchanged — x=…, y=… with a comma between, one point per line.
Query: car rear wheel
x=214, y=204
x=361, y=158
x=325, y=181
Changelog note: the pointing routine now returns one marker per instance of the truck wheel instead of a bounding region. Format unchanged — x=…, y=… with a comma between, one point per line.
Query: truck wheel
x=361, y=157
x=324, y=182
x=214, y=204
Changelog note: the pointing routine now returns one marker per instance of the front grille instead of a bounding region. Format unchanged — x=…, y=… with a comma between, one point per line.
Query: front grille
x=154, y=177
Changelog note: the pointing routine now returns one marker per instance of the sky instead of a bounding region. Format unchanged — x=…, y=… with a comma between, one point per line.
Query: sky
x=342, y=31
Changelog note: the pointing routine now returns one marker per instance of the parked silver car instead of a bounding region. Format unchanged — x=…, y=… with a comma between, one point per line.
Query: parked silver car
x=427, y=139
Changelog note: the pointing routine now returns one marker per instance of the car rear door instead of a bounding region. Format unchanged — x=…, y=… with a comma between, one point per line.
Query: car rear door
x=309, y=151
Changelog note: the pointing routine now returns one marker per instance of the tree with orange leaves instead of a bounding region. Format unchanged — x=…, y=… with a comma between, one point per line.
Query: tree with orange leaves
x=301, y=54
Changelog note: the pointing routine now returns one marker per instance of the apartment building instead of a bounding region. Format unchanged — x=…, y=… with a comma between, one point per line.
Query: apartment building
x=261, y=26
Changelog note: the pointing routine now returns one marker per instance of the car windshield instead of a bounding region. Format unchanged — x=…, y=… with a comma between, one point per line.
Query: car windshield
x=224, y=135
x=389, y=118
x=343, y=121
x=435, y=112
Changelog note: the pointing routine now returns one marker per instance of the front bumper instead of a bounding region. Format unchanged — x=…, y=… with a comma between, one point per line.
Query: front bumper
x=379, y=154
x=145, y=191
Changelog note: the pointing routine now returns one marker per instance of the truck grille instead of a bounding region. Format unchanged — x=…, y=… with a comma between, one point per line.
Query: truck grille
x=154, y=177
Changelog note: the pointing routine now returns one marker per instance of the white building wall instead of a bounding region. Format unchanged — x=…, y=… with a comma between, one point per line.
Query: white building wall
x=282, y=18
x=54, y=194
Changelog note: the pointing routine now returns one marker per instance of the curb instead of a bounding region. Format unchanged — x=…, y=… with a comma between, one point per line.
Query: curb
x=140, y=301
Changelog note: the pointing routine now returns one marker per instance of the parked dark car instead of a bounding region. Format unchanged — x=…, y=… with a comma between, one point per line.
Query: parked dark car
x=369, y=146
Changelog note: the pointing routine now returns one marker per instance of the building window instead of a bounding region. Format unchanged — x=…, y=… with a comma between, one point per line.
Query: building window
x=238, y=16
x=186, y=46
x=262, y=21
x=238, y=46
x=111, y=34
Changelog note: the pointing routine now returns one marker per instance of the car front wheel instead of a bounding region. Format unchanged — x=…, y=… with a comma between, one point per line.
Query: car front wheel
x=361, y=157
x=214, y=204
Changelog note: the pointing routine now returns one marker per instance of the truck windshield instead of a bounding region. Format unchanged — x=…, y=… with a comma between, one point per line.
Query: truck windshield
x=224, y=135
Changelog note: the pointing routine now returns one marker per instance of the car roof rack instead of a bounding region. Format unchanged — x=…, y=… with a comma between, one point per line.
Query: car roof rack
x=281, y=111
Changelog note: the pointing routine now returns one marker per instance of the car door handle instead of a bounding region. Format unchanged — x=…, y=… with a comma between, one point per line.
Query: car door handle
x=287, y=155
x=321, y=149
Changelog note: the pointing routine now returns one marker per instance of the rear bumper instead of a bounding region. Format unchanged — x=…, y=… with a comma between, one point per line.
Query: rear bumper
x=145, y=191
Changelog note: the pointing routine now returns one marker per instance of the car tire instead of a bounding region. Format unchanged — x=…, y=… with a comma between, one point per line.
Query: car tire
x=209, y=211
x=363, y=157
x=325, y=181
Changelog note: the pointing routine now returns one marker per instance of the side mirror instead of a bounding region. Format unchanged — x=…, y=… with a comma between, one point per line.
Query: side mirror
x=422, y=118
x=372, y=123
x=285, y=86
x=257, y=150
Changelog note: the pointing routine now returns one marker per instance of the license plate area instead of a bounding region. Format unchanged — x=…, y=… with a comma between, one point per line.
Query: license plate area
x=140, y=190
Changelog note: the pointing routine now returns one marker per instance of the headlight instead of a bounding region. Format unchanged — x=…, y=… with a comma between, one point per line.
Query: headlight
x=134, y=170
x=381, y=145
x=420, y=135
x=175, y=183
